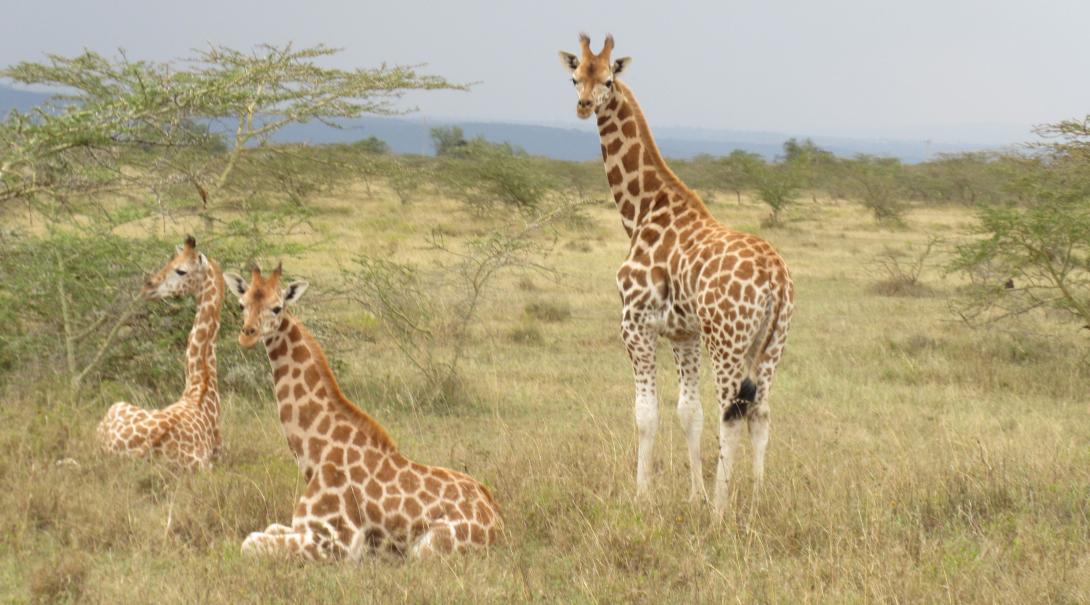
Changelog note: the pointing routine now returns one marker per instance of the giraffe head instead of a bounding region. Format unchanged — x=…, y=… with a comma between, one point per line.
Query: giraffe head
x=593, y=74
x=263, y=301
x=183, y=274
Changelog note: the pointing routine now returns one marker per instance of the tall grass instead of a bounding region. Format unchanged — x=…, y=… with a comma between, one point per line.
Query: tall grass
x=912, y=460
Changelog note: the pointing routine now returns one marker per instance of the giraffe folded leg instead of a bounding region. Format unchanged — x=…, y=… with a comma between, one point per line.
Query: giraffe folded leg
x=286, y=545
x=276, y=529
x=438, y=540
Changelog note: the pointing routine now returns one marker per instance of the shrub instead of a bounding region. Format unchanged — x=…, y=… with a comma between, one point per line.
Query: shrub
x=549, y=311
x=484, y=174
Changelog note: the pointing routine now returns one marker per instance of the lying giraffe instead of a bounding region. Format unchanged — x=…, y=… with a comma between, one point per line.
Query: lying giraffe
x=688, y=278
x=186, y=433
x=362, y=494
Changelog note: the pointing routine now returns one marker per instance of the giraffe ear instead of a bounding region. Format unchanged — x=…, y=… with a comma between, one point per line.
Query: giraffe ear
x=202, y=260
x=236, y=283
x=294, y=291
x=569, y=60
x=620, y=65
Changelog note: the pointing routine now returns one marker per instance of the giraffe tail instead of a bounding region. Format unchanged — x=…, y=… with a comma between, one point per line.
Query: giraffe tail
x=777, y=315
x=747, y=393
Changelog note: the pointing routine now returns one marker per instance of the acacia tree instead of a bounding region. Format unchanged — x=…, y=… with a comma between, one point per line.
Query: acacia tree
x=878, y=185
x=189, y=123
x=777, y=185
x=808, y=162
x=1036, y=254
x=128, y=140
x=738, y=171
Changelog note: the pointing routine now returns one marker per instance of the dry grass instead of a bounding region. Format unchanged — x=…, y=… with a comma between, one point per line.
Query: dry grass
x=911, y=460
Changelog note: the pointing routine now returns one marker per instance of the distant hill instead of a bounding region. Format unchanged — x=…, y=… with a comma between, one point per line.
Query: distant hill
x=23, y=100
x=411, y=134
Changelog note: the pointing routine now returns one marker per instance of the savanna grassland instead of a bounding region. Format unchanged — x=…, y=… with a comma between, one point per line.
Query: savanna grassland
x=912, y=459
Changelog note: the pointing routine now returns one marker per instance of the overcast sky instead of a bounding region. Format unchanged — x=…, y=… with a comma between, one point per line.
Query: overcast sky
x=938, y=69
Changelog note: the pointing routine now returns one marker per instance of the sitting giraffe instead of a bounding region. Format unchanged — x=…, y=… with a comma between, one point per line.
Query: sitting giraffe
x=186, y=433
x=688, y=278
x=362, y=494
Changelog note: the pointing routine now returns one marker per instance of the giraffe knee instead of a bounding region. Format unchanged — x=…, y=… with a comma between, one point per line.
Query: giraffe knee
x=647, y=413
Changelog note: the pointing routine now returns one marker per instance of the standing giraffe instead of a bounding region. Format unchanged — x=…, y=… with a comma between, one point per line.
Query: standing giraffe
x=688, y=278
x=187, y=432
x=362, y=494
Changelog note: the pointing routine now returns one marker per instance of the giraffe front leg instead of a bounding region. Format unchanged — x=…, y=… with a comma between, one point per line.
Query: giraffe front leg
x=689, y=411
x=640, y=341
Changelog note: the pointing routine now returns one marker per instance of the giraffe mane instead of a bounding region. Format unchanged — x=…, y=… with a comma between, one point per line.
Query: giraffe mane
x=652, y=149
x=364, y=421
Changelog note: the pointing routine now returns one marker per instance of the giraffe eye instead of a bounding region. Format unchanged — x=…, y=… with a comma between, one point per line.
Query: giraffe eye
x=609, y=83
x=179, y=272
x=575, y=82
x=241, y=307
x=277, y=309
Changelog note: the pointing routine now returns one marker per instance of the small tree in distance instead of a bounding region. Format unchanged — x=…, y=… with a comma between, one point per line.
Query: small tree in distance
x=1035, y=255
x=778, y=186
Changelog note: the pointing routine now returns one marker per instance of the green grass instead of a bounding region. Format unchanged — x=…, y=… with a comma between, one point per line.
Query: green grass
x=912, y=460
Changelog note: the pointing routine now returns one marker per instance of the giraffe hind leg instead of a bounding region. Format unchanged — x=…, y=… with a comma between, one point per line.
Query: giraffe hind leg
x=689, y=411
x=438, y=540
x=758, y=416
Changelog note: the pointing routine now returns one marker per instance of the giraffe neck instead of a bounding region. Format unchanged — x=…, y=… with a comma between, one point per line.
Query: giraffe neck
x=200, y=353
x=639, y=178
x=314, y=413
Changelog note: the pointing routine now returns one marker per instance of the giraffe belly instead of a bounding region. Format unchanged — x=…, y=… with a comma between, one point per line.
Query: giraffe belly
x=676, y=324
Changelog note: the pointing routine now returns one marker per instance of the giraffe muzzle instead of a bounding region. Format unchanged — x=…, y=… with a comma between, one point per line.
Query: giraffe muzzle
x=150, y=291
x=247, y=337
x=584, y=108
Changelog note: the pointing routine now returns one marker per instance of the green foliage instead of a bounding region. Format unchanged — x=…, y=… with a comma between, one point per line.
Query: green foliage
x=1035, y=255
x=428, y=314
x=484, y=174
x=812, y=166
x=372, y=144
x=129, y=141
x=132, y=123
x=777, y=186
x=736, y=172
x=407, y=177
x=1032, y=256
x=73, y=302
x=876, y=182
x=448, y=140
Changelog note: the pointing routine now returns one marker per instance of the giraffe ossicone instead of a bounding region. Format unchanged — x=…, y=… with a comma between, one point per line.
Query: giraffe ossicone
x=187, y=432
x=688, y=278
x=362, y=495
